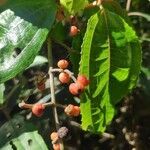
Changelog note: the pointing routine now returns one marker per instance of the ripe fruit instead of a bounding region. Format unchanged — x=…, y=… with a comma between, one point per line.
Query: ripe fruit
x=76, y=111
x=56, y=146
x=38, y=109
x=76, y=88
x=69, y=110
x=73, y=31
x=82, y=80
x=64, y=77
x=63, y=64
x=54, y=136
x=72, y=110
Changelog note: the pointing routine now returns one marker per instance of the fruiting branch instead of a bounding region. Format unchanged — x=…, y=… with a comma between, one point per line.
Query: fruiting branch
x=52, y=91
x=49, y=104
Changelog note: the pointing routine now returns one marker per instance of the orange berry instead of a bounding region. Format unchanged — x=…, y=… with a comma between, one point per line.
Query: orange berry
x=76, y=88
x=56, y=146
x=82, y=80
x=73, y=31
x=72, y=110
x=76, y=111
x=69, y=110
x=63, y=64
x=54, y=136
x=64, y=77
x=38, y=109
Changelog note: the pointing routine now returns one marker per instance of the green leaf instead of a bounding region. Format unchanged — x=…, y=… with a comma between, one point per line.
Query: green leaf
x=20, y=135
x=38, y=12
x=20, y=42
x=24, y=26
x=73, y=6
x=111, y=59
x=2, y=89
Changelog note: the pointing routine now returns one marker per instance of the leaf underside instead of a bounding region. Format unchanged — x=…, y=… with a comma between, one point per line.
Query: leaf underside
x=111, y=58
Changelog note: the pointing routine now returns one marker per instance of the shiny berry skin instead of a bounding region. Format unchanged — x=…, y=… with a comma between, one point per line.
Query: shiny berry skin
x=56, y=146
x=62, y=64
x=76, y=88
x=38, y=109
x=72, y=110
x=54, y=136
x=64, y=77
x=73, y=31
x=82, y=80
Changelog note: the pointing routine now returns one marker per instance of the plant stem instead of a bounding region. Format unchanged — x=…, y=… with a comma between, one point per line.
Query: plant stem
x=70, y=50
x=52, y=91
x=128, y=4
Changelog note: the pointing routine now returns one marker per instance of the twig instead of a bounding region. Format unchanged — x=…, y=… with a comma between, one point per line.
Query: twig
x=139, y=14
x=70, y=50
x=104, y=135
x=29, y=106
x=128, y=4
x=51, y=77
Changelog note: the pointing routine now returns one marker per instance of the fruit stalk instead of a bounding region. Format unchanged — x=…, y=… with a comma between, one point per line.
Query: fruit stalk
x=52, y=91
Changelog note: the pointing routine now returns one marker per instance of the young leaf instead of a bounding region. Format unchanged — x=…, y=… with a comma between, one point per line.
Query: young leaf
x=20, y=135
x=20, y=42
x=73, y=6
x=111, y=58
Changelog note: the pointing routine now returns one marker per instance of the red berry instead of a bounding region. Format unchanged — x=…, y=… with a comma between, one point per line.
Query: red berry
x=76, y=88
x=54, y=136
x=63, y=64
x=64, y=77
x=73, y=31
x=82, y=80
x=38, y=109
x=56, y=146
x=72, y=110
x=76, y=111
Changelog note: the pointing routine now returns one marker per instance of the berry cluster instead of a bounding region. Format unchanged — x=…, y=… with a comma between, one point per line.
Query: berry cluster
x=56, y=136
x=76, y=87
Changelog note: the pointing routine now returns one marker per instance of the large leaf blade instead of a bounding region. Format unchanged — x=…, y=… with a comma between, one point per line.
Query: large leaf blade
x=109, y=60
x=17, y=33
x=38, y=12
